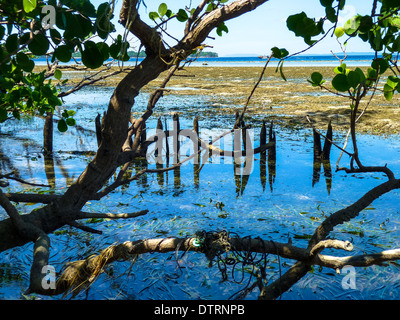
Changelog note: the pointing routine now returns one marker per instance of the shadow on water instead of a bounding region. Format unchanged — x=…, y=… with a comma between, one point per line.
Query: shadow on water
x=275, y=194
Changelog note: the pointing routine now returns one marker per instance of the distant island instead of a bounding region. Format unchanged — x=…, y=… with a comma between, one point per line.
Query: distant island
x=206, y=54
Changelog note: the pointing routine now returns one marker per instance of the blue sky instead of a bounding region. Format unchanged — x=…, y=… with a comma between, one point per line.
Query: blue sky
x=258, y=31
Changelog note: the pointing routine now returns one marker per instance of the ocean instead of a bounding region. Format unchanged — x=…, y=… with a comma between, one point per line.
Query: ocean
x=352, y=59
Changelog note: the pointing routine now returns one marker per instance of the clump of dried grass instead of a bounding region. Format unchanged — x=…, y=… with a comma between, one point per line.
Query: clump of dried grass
x=79, y=275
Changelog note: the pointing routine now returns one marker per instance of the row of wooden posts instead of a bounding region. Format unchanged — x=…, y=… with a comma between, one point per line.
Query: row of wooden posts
x=267, y=157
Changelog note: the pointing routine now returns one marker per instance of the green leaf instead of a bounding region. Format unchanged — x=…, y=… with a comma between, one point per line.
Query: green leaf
x=70, y=113
x=331, y=14
x=12, y=43
x=388, y=4
x=3, y=114
x=2, y=32
x=58, y=74
x=104, y=49
x=366, y=24
x=29, y=5
x=339, y=82
x=361, y=74
x=91, y=55
x=119, y=50
x=316, y=78
x=63, y=53
x=182, y=15
x=162, y=9
x=326, y=3
x=393, y=81
x=77, y=26
x=70, y=121
x=304, y=27
x=153, y=15
x=211, y=6
x=276, y=52
x=222, y=27
x=341, y=69
x=39, y=44
x=103, y=24
x=83, y=6
x=372, y=74
x=55, y=36
x=62, y=125
x=388, y=92
x=279, y=53
x=169, y=13
x=339, y=31
x=46, y=91
x=352, y=25
x=380, y=64
x=353, y=79
x=24, y=62
x=54, y=101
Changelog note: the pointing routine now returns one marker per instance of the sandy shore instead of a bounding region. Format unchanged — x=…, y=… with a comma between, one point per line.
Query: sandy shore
x=286, y=102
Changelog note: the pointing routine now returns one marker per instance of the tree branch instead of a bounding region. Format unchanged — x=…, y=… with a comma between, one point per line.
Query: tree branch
x=200, y=32
x=87, y=215
x=148, y=36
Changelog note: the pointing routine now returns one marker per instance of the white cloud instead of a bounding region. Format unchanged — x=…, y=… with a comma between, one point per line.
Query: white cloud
x=347, y=13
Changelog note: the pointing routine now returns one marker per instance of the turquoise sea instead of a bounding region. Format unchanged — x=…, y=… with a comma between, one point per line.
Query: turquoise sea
x=351, y=59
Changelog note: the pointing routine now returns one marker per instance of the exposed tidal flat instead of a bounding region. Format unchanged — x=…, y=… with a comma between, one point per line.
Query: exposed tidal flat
x=283, y=202
x=286, y=102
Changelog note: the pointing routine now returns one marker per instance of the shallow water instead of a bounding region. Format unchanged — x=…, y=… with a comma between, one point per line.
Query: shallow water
x=290, y=206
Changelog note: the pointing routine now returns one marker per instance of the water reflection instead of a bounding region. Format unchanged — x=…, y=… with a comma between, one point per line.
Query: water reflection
x=321, y=157
x=256, y=204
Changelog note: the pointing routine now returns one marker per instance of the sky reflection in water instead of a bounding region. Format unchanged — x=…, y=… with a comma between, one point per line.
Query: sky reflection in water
x=289, y=207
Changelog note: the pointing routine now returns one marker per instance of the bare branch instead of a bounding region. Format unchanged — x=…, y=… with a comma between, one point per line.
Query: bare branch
x=83, y=227
x=86, y=215
x=337, y=244
x=32, y=197
x=9, y=176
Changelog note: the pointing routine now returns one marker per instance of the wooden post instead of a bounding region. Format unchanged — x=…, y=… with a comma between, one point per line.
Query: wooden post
x=196, y=148
x=326, y=152
x=272, y=157
x=97, y=122
x=272, y=138
x=159, y=142
x=317, y=145
x=166, y=143
x=48, y=134
x=196, y=144
x=143, y=137
x=176, y=129
x=158, y=152
x=263, y=156
x=176, y=147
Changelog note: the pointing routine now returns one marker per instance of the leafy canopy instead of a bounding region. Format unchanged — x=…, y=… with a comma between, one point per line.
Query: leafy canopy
x=380, y=29
x=25, y=36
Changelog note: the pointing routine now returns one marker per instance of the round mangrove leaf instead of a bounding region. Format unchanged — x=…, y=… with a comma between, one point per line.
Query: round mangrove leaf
x=316, y=77
x=353, y=79
x=39, y=44
x=62, y=126
x=340, y=83
x=24, y=62
x=91, y=56
x=63, y=53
